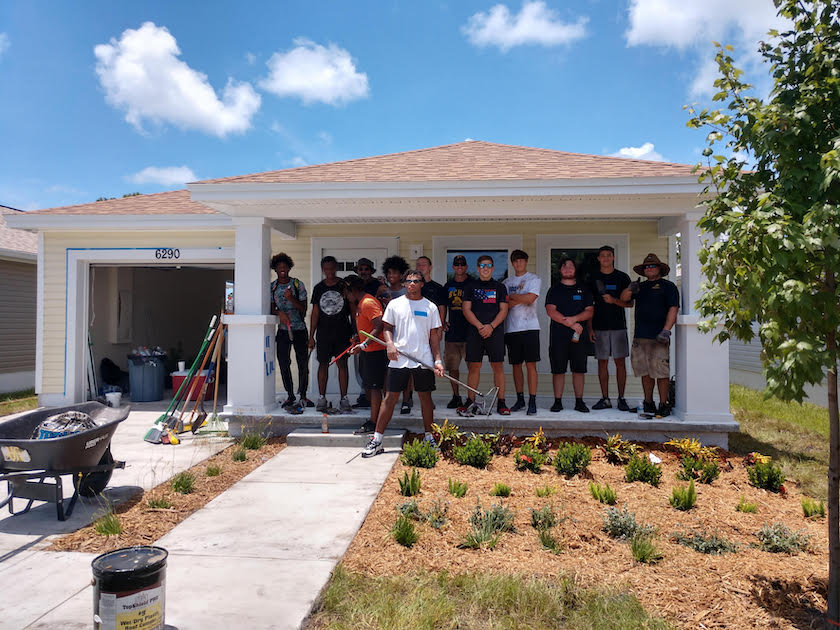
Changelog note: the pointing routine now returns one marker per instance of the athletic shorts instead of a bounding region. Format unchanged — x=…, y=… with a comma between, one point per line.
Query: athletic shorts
x=373, y=366
x=397, y=379
x=651, y=358
x=523, y=346
x=493, y=346
x=327, y=347
x=453, y=354
x=567, y=353
x=611, y=343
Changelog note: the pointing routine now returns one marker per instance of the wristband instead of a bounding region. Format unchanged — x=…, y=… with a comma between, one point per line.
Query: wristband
x=365, y=344
x=438, y=361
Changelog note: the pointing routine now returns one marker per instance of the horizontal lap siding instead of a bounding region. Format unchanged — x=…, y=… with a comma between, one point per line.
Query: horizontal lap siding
x=17, y=316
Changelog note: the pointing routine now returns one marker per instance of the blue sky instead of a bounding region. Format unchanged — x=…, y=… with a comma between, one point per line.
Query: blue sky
x=104, y=98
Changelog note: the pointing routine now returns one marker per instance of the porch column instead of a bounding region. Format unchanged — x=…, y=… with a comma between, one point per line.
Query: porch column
x=251, y=353
x=702, y=365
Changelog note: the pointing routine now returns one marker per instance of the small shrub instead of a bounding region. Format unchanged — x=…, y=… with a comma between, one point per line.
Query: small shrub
x=457, y=488
x=572, y=458
x=684, y=498
x=644, y=549
x=699, y=470
x=642, y=469
x=487, y=527
x=213, y=471
x=500, y=490
x=689, y=447
x=622, y=524
x=499, y=444
x=411, y=510
x=604, y=493
x=437, y=514
x=545, y=491
x=410, y=486
x=475, y=452
x=239, y=454
x=403, y=532
x=420, y=454
x=252, y=441
x=766, y=475
x=777, y=538
x=549, y=542
x=704, y=543
x=161, y=503
x=811, y=508
x=108, y=524
x=183, y=482
x=481, y=536
x=530, y=458
x=538, y=442
x=544, y=518
x=447, y=435
x=756, y=458
x=745, y=506
x=617, y=450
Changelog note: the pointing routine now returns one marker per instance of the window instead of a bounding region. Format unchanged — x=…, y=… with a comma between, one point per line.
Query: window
x=586, y=259
x=500, y=261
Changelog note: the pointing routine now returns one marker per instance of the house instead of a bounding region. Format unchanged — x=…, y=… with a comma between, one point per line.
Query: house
x=150, y=258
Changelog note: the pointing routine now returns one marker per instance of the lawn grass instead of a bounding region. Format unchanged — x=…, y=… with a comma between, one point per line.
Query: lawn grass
x=16, y=402
x=794, y=435
x=491, y=602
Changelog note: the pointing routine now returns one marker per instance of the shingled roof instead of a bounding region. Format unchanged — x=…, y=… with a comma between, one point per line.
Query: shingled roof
x=16, y=240
x=170, y=202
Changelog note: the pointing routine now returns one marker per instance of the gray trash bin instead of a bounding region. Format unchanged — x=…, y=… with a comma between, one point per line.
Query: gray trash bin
x=145, y=376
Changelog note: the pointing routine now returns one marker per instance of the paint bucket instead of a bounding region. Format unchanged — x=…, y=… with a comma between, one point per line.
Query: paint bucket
x=129, y=588
x=113, y=398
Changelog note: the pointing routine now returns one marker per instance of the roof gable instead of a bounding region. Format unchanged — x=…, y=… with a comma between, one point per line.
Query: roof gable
x=16, y=240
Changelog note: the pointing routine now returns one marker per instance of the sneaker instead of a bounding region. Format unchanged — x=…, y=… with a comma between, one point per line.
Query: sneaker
x=648, y=406
x=581, y=406
x=468, y=410
x=288, y=402
x=532, y=408
x=503, y=410
x=406, y=408
x=322, y=405
x=622, y=405
x=663, y=411
x=295, y=409
x=557, y=406
x=604, y=403
x=344, y=405
x=373, y=448
x=455, y=402
x=431, y=440
x=519, y=405
x=362, y=402
x=306, y=402
x=367, y=427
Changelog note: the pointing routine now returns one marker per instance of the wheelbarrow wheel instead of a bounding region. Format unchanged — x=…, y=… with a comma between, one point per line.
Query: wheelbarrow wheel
x=94, y=483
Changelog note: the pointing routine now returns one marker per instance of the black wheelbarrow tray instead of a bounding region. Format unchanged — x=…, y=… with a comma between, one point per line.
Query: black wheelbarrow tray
x=26, y=464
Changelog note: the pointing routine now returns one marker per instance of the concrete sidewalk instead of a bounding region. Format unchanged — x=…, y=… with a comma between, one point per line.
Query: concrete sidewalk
x=255, y=557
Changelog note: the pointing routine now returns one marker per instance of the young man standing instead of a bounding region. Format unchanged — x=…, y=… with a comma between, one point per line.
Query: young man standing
x=485, y=308
x=609, y=326
x=365, y=268
x=657, y=304
x=432, y=291
x=454, y=347
x=569, y=306
x=288, y=303
x=522, y=329
x=330, y=331
x=411, y=325
x=373, y=362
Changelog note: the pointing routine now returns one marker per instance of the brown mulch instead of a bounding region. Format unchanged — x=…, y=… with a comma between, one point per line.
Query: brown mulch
x=143, y=525
x=747, y=589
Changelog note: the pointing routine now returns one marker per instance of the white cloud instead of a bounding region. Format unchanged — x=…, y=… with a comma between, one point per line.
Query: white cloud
x=534, y=24
x=644, y=152
x=4, y=43
x=297, y=161
x=315, y=73
x=251, y=58
x=164, y=175
x=325, y=137
x=142, y=74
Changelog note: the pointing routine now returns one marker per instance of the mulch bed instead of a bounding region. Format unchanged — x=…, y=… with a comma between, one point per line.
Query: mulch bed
x=143, y=525
x=747, y=589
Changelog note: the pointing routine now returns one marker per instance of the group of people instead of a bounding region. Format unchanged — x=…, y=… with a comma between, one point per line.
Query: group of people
x=395, y=325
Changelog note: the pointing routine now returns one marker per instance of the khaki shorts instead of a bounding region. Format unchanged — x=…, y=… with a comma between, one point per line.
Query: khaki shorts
x=453, y=354
x=651, y=358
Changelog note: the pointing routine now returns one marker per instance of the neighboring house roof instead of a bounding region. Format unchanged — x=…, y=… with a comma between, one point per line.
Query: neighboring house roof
x=171, y=202
x=12, y=240
x=468, y=161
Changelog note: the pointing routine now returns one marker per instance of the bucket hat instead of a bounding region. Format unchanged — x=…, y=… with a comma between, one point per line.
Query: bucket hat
x=652, y=259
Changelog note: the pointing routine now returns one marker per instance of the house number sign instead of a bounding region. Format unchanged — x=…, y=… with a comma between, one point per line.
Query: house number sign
x=166, y=253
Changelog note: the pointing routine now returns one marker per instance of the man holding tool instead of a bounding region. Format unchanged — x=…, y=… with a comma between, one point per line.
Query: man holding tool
x=411, y=327
x=522, y=329
x=455, y=344
x=365, y=268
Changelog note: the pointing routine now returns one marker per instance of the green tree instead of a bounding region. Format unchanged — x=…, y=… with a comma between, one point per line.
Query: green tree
x=773, y=251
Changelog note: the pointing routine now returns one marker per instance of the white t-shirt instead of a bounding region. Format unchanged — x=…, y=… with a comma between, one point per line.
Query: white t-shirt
x=412, y=320
x=523, y=316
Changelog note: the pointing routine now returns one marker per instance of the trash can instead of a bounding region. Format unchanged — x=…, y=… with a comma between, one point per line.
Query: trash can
x=129, y=588
x=145, y=377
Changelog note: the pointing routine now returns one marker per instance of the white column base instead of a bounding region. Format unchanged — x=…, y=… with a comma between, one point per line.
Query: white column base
x=251, y=382
x=702, y=372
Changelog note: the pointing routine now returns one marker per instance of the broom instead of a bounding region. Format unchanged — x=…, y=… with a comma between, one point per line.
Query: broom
x=196, y=421
x=194, y=387
x=213, y=426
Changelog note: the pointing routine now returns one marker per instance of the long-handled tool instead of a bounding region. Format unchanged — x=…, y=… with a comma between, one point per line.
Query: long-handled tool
x=194, y=387
x=346, y=350
x=490, y=396
x=197, y=421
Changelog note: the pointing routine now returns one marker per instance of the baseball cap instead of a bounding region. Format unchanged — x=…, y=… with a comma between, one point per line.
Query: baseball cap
x=459, y=260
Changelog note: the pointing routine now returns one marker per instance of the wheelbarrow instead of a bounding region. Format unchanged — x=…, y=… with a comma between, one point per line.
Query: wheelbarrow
x=27, y=463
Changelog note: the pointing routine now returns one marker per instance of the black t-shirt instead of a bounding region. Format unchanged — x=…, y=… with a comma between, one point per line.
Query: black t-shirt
x=485, y=298
x=372, y=286
x=570, y=300
x=453, y=292
x=608, y=316
x=433, y=291
x=654, y=299
x=334, y=316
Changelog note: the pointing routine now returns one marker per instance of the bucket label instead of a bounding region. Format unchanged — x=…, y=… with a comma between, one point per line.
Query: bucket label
x=140, y=610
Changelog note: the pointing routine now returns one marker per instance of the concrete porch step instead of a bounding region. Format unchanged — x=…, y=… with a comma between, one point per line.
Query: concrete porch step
x=342, y=437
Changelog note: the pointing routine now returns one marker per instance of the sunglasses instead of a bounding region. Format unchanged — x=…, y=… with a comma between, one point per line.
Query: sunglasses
x=413, y=281
x=485, y=265
x=651, y=267
x=459, y=264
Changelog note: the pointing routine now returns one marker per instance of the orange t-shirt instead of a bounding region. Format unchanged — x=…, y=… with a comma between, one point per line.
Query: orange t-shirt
x=367, y=310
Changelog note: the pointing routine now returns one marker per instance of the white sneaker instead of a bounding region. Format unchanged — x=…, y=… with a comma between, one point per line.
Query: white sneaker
x=373, y=448
x=322, y=404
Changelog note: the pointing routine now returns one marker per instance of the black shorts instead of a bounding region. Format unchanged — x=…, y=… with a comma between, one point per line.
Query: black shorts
x=493, y=346
x=563, y=353
x=397, y=379
x=523, y=346
x=329, y=346
x=373, y=365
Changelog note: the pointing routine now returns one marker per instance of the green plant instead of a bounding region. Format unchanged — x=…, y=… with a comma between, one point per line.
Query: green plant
x=403, y=532
x=160, y=503
x=617, y=450
x=745, y=506
x=530, y=458
x=447, y=435
x=766, y=475
x=704, y=471
x=622, y=524
x=683, y=498
x=604, y=493
x=457, y=488
x=239, y=454
x=108, y=524
x=410, y=486
x=642, y=469
x=537, y=441
x=777, y=538
x=476, y=452
x=811, y=508
x=183, y=482
x=644, y=549
x=499, y=444
x=704, y=543
x=411, y=510
x=252, y=441
x=572, y=458
x=213, y=471
x=689, y=447
x=500, y=490
x=437, y=514
x=487, y=527
x=544, y=518
x=420, y=453
x=545, y=491
x=549, y=542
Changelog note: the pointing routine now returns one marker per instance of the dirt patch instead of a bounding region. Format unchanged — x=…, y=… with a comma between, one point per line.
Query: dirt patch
x=142, y=525
x=747, y=589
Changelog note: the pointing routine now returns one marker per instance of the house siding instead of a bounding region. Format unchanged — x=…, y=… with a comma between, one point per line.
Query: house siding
x=17, y=316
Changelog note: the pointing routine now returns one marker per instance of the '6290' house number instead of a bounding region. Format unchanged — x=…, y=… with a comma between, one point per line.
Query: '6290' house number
x=166, y=253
